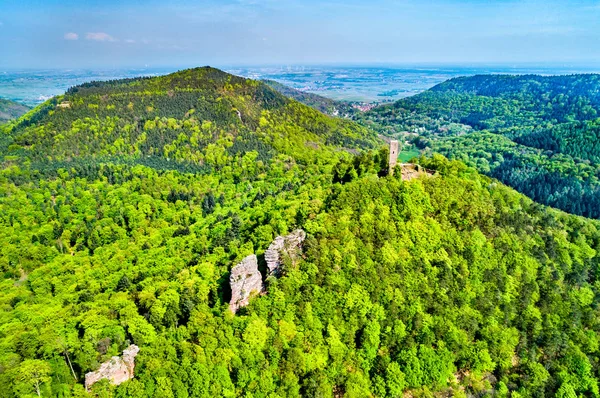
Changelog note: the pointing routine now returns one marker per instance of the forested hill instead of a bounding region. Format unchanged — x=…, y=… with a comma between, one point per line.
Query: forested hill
x=530, y=98
x=545, y=138
x=326, y=105
x=182, y=117
x=125, y=205
x=10, y=110
x=519, y=86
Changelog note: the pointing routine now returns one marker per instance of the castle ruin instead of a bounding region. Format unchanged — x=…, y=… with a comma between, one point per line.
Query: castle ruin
x=408, y=171
x=394, y=150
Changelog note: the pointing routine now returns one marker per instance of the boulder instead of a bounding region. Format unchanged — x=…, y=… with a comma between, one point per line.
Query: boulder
x=284, y=246
x=117, y=369
x=244, y=279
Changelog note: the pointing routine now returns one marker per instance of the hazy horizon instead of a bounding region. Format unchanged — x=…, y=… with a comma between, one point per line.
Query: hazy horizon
x=362, y=83
x=594, y=67
x=179, y=33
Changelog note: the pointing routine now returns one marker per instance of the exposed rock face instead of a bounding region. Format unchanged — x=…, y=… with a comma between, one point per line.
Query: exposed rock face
x=245, y=278
x=117, y=369
x=290, y=246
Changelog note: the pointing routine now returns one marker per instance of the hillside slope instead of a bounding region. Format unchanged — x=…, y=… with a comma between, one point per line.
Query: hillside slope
x=178, y=117
x=451, y=285
x=320, y=103
x=10, y=110
x=544, y=137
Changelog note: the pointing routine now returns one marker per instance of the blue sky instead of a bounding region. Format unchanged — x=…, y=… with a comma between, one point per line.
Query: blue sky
x=170, y=33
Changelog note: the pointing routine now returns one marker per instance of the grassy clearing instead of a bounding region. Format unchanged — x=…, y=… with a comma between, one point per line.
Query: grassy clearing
x=407, y=154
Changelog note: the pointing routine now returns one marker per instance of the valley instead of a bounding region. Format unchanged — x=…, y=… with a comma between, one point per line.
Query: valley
x=534, y=133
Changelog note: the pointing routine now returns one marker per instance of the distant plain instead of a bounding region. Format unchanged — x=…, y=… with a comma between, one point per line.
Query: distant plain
x=346, y=83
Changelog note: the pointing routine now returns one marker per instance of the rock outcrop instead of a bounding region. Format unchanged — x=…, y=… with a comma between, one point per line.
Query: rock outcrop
x=117, y=369
x=244, y=279
x=284, y=246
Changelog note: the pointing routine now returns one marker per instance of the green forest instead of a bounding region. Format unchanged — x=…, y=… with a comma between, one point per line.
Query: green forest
x=125, y=204
x=538, y=134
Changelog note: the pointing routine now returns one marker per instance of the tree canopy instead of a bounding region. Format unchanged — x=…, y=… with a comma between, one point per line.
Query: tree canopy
x=538, y=134
x=450, y=284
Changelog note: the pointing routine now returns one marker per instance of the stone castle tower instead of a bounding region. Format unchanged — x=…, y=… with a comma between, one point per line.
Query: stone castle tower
x=393, y=156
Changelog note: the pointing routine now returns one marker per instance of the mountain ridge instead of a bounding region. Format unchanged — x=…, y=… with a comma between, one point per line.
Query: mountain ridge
x=324, y=105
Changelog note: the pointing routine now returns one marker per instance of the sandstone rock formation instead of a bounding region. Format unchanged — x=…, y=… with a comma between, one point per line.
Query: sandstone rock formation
x=289, y=245
x=117, y=369
x=244, y=279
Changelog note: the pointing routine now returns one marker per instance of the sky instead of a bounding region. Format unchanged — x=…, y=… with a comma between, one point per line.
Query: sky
x=183, y=33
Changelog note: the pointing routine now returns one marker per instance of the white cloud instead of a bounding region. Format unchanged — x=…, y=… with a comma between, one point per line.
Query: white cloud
x=130, y=41
x=71, y=36
x=99, y=36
